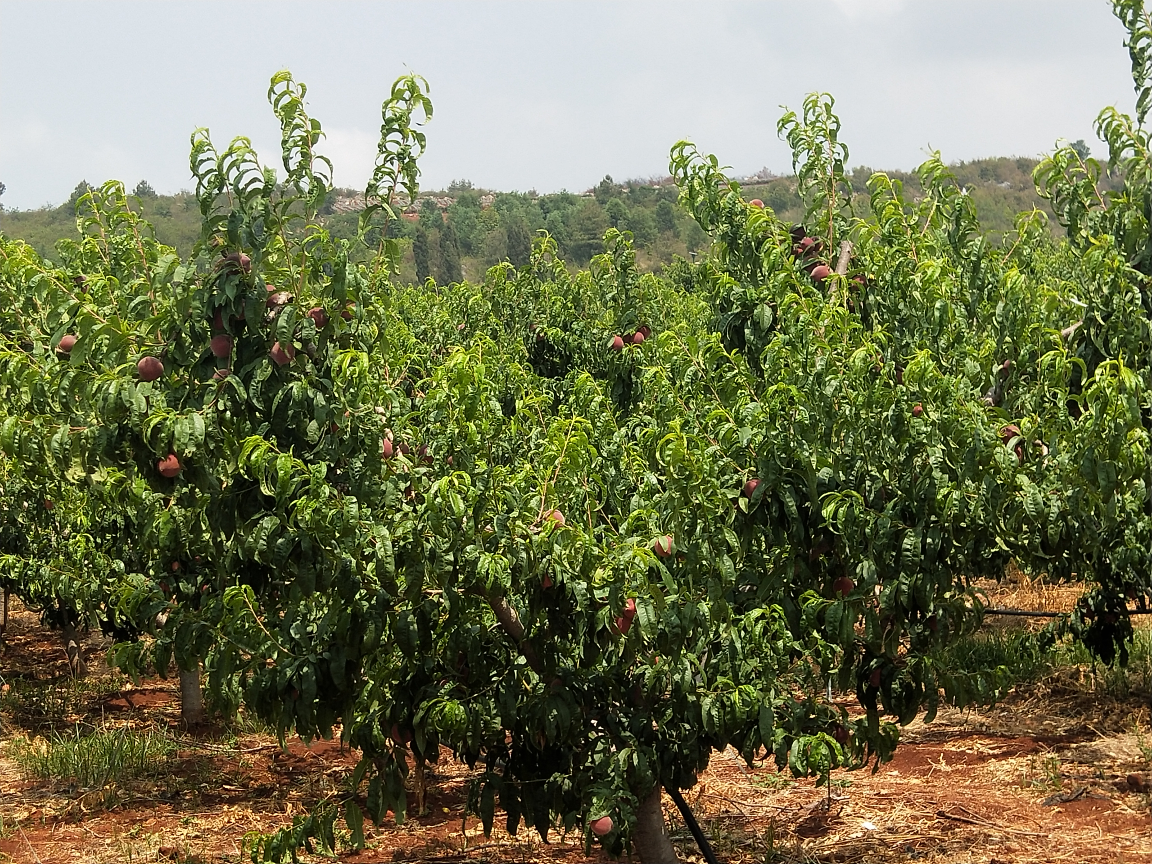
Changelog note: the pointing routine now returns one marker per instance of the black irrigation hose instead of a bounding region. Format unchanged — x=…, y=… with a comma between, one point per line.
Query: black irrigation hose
x=693, y=825
x=1025, y=613
x=1033, y=613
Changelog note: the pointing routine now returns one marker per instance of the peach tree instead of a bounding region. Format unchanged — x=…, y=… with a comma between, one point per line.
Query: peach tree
x=220, y=403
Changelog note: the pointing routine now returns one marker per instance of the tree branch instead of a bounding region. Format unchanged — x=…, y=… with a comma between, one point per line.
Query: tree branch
x=510, y=621
x=845, y=257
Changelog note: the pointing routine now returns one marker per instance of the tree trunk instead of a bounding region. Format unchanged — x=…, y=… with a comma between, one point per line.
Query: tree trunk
x=191, y=697
x=650, y=838
x=77, y=665
x=419, y=784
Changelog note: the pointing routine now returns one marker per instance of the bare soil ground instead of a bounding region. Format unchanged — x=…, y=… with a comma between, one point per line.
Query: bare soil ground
x=1061, y=771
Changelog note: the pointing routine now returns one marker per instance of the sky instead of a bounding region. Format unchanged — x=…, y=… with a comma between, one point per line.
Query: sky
x=544, y=95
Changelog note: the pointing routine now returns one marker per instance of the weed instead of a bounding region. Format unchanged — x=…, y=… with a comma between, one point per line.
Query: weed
x=138, y=849
x=93, y=759
x=774, y=780
x=1143, y=744
x=1119, y=681
x=40, y=704
x=1016, y=654
x=1042, y=773
x=242, y=723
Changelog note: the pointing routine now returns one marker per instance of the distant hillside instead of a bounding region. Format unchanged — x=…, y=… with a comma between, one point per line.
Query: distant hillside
x=1000, y=187
x=176, y=219
x=461, y=231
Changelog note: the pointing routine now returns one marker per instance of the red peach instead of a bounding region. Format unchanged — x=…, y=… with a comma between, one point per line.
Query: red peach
x=169, y=466
x=149, y=368
x=602, y=827
x=221, y=345
x=282, y=354
x=319, y=316
x=821, y=272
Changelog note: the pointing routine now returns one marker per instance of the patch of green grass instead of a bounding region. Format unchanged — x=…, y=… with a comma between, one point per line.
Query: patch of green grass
x=1117, y=680
x=95, y=759
x=1004, y=658
x=45, y=704
x=245, y=722
x=1018, y=652
x=983, y=667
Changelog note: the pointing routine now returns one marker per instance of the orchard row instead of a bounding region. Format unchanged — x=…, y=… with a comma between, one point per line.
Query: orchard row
x=585, y=528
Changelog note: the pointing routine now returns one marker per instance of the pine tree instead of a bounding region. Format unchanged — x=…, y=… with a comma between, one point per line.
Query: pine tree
x=519, y=242
x=420, y=253
x=449, y=255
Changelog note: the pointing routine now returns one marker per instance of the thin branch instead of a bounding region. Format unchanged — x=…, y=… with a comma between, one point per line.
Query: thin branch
x=510, y=621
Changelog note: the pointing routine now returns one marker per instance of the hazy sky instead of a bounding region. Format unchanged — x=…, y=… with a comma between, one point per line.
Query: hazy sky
x=544, y=95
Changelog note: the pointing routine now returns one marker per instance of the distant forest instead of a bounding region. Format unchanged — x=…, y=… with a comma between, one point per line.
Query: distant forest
x=460, y=231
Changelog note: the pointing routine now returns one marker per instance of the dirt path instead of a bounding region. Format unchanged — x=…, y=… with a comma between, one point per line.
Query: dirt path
x=1058, y=773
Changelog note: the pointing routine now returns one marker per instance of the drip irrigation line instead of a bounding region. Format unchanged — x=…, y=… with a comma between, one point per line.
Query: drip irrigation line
x=693, y=825
x=1036, y=613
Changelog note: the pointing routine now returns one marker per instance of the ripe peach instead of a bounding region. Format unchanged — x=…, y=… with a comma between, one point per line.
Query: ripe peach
x=821, y=272
x=319, y=316
x=169, y=466
x=221, y=345
x=149, y=368
x=282, y=354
